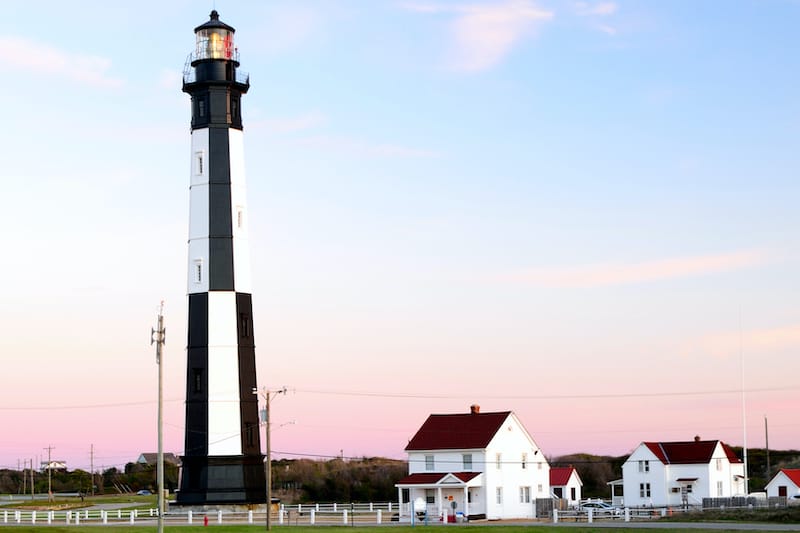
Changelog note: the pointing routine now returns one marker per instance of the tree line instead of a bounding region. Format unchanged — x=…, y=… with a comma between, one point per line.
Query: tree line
x=353, y=480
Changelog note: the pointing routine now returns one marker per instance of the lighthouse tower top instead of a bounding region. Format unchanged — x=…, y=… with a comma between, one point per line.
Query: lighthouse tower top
x=214, y=40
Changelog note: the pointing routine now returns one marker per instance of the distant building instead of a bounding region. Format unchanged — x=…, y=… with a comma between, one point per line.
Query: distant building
x=681, y=473
x=152, y=459
x=785, y=483
x=482, y=465
x=566, y=484
x=53, y=466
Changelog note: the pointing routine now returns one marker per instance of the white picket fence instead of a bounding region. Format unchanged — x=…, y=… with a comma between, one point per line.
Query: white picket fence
x=308, y=514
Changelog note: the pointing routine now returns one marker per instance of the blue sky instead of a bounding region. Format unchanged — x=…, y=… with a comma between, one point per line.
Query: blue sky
x=566, y=209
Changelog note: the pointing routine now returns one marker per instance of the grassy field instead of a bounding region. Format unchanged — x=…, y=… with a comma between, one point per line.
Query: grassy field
x=316, y=529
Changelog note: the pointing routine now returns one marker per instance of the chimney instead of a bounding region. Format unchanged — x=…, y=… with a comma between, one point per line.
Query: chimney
x=697, y=438
x=474, y=409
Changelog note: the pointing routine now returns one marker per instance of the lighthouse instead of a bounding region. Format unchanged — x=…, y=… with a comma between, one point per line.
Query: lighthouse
x=222, y=461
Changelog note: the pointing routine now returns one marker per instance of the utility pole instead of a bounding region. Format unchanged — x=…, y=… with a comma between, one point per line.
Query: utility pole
x=268, y=395
x=24, y=476
x=766, y=438
x=91, y=464
x=49, y=474
x=33, y=491
x=158, y=336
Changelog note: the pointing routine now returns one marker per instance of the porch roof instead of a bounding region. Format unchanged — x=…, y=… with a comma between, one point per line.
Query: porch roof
x=438, y=478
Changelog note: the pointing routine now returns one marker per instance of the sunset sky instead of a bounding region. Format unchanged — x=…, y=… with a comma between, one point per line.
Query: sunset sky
x=583, y=212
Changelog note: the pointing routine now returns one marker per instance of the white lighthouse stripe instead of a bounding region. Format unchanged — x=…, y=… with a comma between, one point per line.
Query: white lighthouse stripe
x=241, y=265
x=222, y=324
x=198, y=258
x=198, y=211
x=199, y=169
x=236, y=154
x=224, y=414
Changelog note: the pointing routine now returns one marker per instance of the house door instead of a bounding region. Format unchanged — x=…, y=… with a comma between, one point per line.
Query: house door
x=782, y=490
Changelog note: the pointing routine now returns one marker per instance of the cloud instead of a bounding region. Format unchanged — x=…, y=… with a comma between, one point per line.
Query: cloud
x=484, y=34
x=597, y=10
x=304, y=122
x=724, y=345
x=602, y=9
x=45, y=59
x=591, y=276
x=363, y=148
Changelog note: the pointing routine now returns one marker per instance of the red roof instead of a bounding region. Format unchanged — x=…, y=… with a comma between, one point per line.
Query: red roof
x=793, y=474
x=460, y=431
x=430, y=478
x=689, y=452
x=559, y=475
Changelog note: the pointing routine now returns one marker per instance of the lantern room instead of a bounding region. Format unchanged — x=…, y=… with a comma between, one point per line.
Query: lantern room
x=214, y=40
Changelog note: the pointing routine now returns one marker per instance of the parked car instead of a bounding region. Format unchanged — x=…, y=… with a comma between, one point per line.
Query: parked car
x=144, y=492
x=793, y=500
x=600, y=506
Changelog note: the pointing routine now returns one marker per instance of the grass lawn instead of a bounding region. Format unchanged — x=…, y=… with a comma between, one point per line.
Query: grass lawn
x=316, y=529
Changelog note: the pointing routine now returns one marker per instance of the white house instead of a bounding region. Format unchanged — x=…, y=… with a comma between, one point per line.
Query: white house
x=681, y=473
x=566, y=484
x=484, y=465
x=785, y=483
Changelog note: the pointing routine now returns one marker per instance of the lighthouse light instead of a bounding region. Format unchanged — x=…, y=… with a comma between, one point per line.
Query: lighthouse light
x=214, y=43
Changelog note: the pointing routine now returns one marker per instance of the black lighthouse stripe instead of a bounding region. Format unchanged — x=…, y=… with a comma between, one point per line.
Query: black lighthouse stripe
x=220, y=217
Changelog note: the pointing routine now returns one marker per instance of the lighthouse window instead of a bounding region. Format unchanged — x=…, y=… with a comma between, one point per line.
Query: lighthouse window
x=201, y=108
x=197, y=379
x=198, y=271
x=239, y=217
x=200, y=163
x=244, y=320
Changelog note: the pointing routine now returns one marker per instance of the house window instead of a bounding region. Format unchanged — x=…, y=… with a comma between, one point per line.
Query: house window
x=719, y=488
x=524, y=495
x=539, y=466
x=197, y=271
x=689, y=489
x=540, y=488
x=499, y=495
x=572, y=494
x=466, y=460
x=719, y=465
x=524, y=460
x=199, y=163
x=558, y=491
x=406, y=495
x=430, y=496
x=428, y=462
x=644, y=466
x=644, y=490
x=498, y=460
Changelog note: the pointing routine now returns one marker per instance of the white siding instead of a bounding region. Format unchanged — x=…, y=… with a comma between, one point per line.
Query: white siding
x=224, y=425
x=241, y=246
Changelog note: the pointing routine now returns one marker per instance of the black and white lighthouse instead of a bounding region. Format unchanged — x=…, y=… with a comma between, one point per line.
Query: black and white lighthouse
x=222, y=461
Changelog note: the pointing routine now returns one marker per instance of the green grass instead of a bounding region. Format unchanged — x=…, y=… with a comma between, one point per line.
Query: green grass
x=74, y=502
x=316, y=529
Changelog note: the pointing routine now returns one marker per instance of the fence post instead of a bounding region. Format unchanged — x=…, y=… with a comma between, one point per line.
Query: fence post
x=77, y=518
x=190, y=516
x=132, y=517
x=50, y=517
x=370, y=507
x=18, y=516
x=68, y=517
x=344, y=516
x=627, y=514
x=379, y=517
x=119, y=514
x=86, y=515
x=313, y=516
x=334, y=507
x=299, y=508
x=280, y=515
x=390, y=507
x=555, y=516
x=104, y=516
x=219, y=517
x=250, y=516
x=33, y=517
x=5, y=517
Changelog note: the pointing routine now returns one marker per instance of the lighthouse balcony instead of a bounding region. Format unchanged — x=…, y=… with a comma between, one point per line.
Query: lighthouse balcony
x=190, y=72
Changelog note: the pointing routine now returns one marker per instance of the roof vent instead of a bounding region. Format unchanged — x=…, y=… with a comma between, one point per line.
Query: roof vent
x=474, y=409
